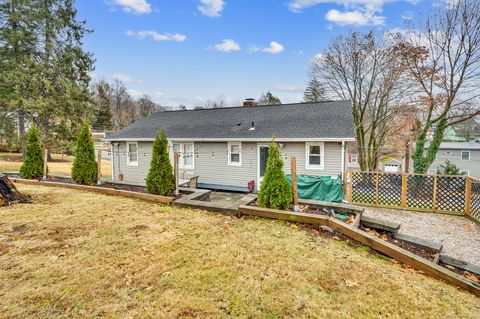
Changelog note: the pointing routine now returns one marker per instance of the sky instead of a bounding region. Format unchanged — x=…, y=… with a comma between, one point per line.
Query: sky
x=190, y=51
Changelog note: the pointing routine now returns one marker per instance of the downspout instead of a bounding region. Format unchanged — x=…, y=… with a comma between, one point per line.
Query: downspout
x=112, y=163
x=343, y=158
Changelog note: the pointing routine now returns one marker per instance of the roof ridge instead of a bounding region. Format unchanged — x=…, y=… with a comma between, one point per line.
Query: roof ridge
x=256, y=106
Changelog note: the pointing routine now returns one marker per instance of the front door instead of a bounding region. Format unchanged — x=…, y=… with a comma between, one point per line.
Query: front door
x=262, y=162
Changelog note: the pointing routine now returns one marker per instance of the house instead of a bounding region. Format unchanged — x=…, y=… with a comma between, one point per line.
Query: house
x=465, y=155
x=228, y=147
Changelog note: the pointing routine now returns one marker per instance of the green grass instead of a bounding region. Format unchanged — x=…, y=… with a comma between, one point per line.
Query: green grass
x=81, y=255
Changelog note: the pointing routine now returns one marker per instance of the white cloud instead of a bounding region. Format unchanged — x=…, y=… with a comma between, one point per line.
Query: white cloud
x=134, y=6
x=157, y=36
x=356, y=12
x=124, y=78
x=356, y=18
x=211, y=8
x=274, y=48
x=227, y=45
x=289, y=88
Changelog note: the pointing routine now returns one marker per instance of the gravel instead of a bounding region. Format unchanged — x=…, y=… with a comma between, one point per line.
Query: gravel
x=460, y=236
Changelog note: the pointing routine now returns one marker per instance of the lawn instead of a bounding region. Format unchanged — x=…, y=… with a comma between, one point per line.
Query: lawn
x=62, y=165
x=78, y=254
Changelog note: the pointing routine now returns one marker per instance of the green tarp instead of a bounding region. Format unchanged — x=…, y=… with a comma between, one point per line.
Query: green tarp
x=324, y=188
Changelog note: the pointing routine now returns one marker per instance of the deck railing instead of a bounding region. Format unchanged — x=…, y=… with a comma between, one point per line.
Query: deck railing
x=421, y=192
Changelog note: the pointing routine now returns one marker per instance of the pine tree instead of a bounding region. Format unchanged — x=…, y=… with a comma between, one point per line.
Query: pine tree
x=84, y=170
x=275, y=191
x=314, y=92
x=102, y=111
x=160, y=179
x=32, y=167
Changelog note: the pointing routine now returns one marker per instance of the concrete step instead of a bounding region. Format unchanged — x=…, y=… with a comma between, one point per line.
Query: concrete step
x=460, y=264
x=429, y=245
x=381, y=224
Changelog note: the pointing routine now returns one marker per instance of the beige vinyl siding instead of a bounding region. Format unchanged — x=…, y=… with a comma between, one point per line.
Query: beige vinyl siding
x=332, y=161
x=473, y=165
x=211, y=162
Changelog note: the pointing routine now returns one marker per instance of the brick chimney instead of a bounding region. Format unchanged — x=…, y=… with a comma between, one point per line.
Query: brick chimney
x=249, y=102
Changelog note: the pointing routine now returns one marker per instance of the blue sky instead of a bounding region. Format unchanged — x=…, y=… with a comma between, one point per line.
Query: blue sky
x=189, y=51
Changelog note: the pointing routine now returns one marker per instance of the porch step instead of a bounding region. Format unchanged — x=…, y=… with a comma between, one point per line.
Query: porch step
x=432, y=246
x=381, y=224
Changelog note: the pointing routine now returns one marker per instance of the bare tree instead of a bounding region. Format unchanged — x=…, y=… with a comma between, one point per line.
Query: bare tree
x=147, y=107
x=364, y=68
x=443, y=59
x=120, y=99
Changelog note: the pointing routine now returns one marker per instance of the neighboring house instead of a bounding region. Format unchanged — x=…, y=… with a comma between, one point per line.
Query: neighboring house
x=228, y=147
x=465, y=155
x=390, y=165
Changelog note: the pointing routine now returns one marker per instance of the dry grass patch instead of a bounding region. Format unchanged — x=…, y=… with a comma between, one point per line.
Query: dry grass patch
x=78, y=254
x=62, y=165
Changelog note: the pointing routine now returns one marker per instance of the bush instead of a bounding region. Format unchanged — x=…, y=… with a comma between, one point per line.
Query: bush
x=160, y=179
x=275, y=191
x=449, y=169
x=84, y=170
x=32, y=167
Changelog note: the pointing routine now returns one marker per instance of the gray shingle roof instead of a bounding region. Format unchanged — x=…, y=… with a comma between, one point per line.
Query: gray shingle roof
x=328, y=120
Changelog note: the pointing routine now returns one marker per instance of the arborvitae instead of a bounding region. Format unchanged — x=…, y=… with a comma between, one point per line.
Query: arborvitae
x=84, y=170
x=275, y=191
x=33, y=164
x=160, y=179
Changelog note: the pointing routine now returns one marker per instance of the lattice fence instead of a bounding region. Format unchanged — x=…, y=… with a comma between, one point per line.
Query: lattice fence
x=435, y=193
x=420, y=190
x=475, y=200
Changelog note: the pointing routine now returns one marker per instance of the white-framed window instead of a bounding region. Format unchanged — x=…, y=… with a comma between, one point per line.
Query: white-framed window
x=465, y=173
x=353, y=158
x=432, y=171
x=234, y=154
x=465, y=155
x=132, y=153
x=314, y=157
x=186, y=151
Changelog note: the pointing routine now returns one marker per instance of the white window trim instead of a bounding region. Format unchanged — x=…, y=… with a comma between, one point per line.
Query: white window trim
x=229, y=152
x=307, y=155
x=461, y=156
x=130, y=163
x=467, y=172
x=182, y=151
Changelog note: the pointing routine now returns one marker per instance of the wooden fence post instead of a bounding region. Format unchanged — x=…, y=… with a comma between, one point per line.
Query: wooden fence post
x=435, y=181
x=376, y=190
x=99, y=167
x=293, y=168
x=468, y=196
x=350, y=186
x=176, y=156
x=404, y=190
x=45, y=159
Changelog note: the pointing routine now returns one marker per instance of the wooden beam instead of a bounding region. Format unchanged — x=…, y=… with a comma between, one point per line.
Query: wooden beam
x=404, y=190
x=176, y=157
x=45, y=163
x=99, y=167
x=435, y=189
x=296, y=208
x=350, y=188
x=376, y=189
x=468, y=196
x=102, y=190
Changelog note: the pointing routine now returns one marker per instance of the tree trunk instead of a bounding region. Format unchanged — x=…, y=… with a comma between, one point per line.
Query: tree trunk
x=9, y=193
